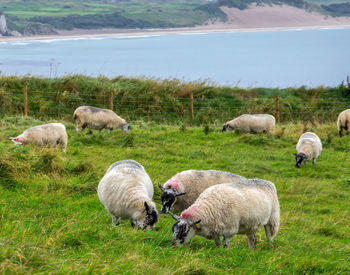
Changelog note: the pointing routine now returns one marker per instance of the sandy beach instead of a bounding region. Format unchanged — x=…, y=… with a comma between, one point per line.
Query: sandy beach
x=255, y=18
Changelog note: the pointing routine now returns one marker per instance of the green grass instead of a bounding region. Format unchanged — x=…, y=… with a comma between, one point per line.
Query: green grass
x=51, y=220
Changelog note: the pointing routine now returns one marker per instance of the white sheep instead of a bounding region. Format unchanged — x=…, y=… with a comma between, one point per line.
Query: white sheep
x=98, y=119
x=343, y=122
x=261, y=123
x=126, y=192
x=309, y=147
x=185, y=187
x=230, y=209
x=50, y=134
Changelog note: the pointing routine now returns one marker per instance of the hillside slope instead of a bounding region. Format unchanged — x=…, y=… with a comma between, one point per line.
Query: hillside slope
x=42, y=17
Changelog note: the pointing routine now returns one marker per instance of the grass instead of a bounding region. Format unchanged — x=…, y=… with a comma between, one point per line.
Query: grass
x=51, y=220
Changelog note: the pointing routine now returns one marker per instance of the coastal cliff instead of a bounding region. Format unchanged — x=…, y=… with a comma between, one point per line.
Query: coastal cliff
x=4, y=30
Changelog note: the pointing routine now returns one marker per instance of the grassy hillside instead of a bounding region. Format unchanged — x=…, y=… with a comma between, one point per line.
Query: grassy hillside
x=101, y=14
x=51, y=220
x=25, y=15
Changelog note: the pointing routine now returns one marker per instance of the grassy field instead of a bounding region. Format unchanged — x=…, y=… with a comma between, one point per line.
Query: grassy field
x=51, y=220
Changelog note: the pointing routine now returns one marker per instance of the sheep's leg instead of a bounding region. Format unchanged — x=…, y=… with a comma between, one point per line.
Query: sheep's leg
x=252, y=240
x=227, y=241
x=116, y=220
x=77, y=129
x=217, y=241
x=314, y=161
x=54, y=144
x=268, y=233
x=108, y=130
x=340, y=132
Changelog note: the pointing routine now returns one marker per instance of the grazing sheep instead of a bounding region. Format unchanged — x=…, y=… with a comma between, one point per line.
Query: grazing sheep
x=50, y=134
x=185, y=187
x=343, y=122
x=126, y=192
x=252, y=124
x=230, y=209
x=309, y=147
x=98, y=119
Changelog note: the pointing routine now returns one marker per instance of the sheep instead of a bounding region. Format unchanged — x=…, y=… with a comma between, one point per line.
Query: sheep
x=308, y=147
x=229, y=209
x=50, y=134
x=343, y=122
x=98, y=119
x=261, y=123
x=126, y=192
x=185, y=187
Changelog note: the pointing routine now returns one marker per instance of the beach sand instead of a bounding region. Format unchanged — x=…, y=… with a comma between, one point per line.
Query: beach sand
x=255, y=18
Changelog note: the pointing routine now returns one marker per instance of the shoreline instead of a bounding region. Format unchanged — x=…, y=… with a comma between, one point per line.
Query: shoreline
x=103, y=33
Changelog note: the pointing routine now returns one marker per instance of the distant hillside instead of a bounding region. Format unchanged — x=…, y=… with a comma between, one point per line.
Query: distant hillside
x=40, y=17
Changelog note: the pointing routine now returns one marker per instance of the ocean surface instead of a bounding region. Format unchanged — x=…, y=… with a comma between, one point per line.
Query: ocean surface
x=288, y=58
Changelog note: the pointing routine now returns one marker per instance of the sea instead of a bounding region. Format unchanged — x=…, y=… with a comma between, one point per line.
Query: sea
x=247, y=59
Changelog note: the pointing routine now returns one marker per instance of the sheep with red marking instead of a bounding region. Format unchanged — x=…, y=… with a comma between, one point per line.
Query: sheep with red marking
x=51, y=135
x=184, y=188
x=225, y=210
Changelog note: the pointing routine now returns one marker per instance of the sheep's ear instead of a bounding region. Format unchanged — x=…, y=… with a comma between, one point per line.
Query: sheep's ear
x=180, y=194
x=295, y=154
x=146, y=207
x=176, y=218
x=161, y=187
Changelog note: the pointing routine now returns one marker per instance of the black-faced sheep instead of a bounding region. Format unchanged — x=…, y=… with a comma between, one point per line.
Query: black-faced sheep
x=126, y=192
x=184, y=188
x=230, y=209
x=309, y=147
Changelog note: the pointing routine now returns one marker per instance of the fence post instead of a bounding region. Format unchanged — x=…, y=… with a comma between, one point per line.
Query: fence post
x=277, y=108
x=191, y=106
x=25, y=95
x=111, y=101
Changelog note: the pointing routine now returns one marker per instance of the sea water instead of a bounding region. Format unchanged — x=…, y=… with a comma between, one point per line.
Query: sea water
x=284, y=58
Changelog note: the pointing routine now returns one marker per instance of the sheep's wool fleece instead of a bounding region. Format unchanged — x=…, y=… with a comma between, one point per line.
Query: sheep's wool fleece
x=235, y=208
x=309, y=144
x=124, y=188
x=254, y=123
x=97, y=118
x=344, y=119
x=194, y=182
x=45, y=134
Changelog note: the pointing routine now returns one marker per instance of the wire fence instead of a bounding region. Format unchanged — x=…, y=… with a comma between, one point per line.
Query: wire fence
x=192, y=108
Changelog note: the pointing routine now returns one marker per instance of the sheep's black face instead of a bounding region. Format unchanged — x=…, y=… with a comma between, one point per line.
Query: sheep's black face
x=299, y=158
x=151, y=216
x=181, y=231
x=168, y=199
x=224, y=128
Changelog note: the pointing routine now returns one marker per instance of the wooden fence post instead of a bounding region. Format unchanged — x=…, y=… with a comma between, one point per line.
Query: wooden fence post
x=111, y=101
x=191, y=106
x=25, y=95
x=277, y=108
